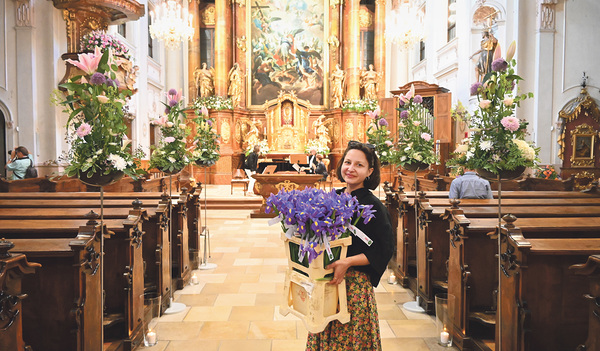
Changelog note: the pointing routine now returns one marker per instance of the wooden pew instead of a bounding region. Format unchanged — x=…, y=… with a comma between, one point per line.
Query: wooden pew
x=64, y=308
x=123, y=274
x=433, y=248
x=13, y=268
x=392, y=205
x=591, y=269
x=543, y=305
x=472, y=272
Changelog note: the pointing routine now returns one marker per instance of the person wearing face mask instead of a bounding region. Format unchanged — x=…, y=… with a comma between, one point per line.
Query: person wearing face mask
x=364, y=265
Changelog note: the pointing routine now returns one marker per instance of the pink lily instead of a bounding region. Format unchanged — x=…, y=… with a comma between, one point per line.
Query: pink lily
x=374, y=114
x=160, y=121
x=88, y=62
x=498, y=52
x=406, y=98
x=204, y=111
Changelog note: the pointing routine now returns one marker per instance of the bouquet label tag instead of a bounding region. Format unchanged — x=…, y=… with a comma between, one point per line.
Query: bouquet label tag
x=328, y=247
x=275, y=220
x=289, y=233
x=362, y=236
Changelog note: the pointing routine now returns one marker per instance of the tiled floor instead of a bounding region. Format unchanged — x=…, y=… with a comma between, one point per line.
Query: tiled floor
x=235, y=306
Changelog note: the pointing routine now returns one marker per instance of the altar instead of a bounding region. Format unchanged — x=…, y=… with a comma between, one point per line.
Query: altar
x=267, y=184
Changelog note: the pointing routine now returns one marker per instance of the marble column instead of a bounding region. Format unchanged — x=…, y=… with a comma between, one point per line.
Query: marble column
x=544, y=58
x=194, y=50
x=334, y=35
x=379, y=61
x=223, y=45
x=351, y=47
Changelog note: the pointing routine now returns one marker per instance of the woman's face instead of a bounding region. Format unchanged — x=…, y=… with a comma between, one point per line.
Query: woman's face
x=355, y=169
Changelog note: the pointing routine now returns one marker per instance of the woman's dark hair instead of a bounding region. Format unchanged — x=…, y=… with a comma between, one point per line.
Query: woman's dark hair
x=372, y=181
x=23, y=150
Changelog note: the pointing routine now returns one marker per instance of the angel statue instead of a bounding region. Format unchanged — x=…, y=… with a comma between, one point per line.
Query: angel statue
x=338, y=78
x=368, y=80
x=321, y=132
x=236, y=84
x=204, y=79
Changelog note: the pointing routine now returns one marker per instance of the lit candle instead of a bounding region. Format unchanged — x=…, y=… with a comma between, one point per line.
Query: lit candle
x=444, y=337
x=194, y=279
x=392, y=278
x=151, y=337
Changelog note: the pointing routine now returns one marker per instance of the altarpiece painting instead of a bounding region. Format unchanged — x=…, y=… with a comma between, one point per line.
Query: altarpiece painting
x=287, y=50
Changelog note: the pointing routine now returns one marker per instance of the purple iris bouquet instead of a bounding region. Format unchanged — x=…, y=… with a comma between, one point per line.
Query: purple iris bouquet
x=318, y=217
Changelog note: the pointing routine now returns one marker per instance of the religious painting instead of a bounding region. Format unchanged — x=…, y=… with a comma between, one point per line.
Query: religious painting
x=287, y=51
x=583, y=138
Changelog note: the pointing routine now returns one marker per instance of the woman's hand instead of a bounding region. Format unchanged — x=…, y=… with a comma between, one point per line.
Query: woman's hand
x=339, y=270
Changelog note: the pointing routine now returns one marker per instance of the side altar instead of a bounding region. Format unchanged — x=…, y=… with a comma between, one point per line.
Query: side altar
x=267, y=184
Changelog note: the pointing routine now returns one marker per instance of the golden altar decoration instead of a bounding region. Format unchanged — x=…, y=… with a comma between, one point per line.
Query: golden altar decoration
x=287, y=123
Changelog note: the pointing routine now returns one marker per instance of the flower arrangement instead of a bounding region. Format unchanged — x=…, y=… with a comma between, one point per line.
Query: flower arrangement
x=213, y=102
x=316, y=144
x=95, y=127
x=459, y=113
x=547, y=172
x=206, y=141
x=171, y=155
x=378, y=134
x=317, y=217
x=415, y=142
x=497, y=138
x=263, y=144
x=99, y=39
x=359, y=105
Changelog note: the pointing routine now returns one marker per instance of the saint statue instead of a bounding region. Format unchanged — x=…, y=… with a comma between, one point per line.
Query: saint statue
x=204, y=79
x=338, y=78
x=368, y=81
x=321, y=132
x=236, y=84
x=486, y=54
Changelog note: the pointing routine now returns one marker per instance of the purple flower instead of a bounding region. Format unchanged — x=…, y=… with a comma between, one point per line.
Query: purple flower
x=475, y=88
x=404, y=114
x=209, y=122
x=167, y=110
x=112, y=83
x=172, y=92
x=418, y=99
x=172, y=103
x=382, y=122
x=97, y=79
x=499, y=65
x=511, y=123
x=401, y=102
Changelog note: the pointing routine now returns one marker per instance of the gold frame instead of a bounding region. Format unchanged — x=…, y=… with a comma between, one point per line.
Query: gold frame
x=585, y=135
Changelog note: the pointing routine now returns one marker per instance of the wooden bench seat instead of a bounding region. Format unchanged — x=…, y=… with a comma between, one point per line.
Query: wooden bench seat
x=591, y=270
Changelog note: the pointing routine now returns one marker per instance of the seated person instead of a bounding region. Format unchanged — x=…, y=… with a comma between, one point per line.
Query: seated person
x=312, y=161
x=470, y=186
x=18, y=162
x=321, y=168
x=251, y=165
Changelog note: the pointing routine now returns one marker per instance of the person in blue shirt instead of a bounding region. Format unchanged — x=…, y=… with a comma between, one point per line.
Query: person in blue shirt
x=470, y=186
x=18, y=162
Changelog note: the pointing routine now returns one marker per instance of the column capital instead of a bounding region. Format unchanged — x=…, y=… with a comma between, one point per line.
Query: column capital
x=24, y=13
x=546, y=15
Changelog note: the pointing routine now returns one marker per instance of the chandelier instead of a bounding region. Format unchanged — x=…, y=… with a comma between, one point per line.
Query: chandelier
x=404, y=25
x=171, y=24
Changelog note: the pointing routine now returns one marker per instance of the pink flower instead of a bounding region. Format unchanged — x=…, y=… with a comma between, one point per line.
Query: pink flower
x=485, y=103
x=508, y=101
x=388, y=143
x=169, y=139
x=406, y=98
x=416, y=123
x=426, y=136
x=84, y=129
x=161, y=121
x=88, y=62
x=204, y=111
x=511, y=123
x=374, y=114
x=102, y=98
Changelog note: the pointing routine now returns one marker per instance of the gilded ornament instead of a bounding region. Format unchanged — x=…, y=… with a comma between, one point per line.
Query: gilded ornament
x=241, y=43
x=225, y=131
x=286, y=185
x=208, y=16
x=349, y=129
x=361, y=130
x=365, y=18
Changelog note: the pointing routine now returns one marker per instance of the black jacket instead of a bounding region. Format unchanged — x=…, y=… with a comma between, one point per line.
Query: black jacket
x=322, y=170
x=379, y=229
x=251, y=162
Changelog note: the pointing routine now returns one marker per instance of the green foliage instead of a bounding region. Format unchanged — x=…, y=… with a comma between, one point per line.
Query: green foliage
x=206, y=142
x=214, y=102
x=359, y=105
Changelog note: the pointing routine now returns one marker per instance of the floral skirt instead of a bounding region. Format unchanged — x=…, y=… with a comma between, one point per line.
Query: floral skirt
x=362, y=332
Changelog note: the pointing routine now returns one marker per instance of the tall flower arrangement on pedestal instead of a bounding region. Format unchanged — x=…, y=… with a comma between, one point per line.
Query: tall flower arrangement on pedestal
x=379, y=135
x=415, y=143
x=96, y=127
x=171, y=155
x=206, y=149
x=497, y=138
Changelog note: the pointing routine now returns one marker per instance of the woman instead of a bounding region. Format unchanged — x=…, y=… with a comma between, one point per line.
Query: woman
x=364, y=265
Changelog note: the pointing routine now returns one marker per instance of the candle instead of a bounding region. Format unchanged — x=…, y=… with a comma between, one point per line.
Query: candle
x=392, y=278
x=151, y=337
x=194, y=279
x=444, y=337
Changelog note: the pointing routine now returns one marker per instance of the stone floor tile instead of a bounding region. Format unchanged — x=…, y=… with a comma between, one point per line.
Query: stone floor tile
x=413, y=328
x=224, y=330
x=245, y=345
x=404, y=344
x=208, y=313
x=178, y=330
x=235, y=300
x=251, y=313
x=272, y=330
x=289, y=345
x=220, y=288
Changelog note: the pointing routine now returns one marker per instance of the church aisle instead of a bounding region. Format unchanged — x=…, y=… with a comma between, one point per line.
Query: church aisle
x=235, y=306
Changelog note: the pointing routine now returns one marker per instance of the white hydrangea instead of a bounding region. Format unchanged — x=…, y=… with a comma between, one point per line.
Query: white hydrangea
x=118, y=162
x=485, y=145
